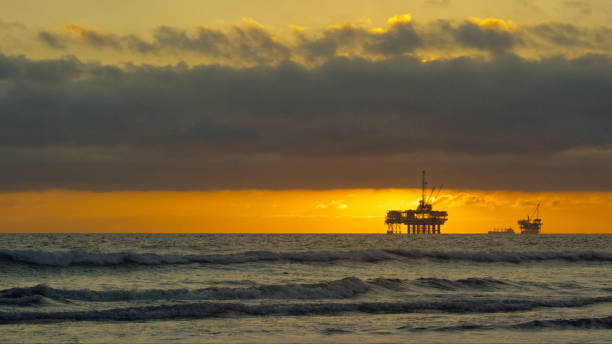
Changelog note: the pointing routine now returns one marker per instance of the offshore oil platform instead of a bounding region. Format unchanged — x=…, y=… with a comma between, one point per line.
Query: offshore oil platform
x=422, y=220
x=532, y=224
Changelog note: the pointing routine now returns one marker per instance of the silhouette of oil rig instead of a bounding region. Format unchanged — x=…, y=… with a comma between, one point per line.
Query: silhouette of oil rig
x=422, y=220
x=532, y=224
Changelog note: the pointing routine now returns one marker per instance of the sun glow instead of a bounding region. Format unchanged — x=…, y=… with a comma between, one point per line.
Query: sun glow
x=293, y=211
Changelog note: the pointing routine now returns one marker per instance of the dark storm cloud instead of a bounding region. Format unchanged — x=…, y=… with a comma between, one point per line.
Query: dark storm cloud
x=345, y=123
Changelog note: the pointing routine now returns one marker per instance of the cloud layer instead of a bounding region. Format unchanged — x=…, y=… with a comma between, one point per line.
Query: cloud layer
x=250, y=43
x=345, y=122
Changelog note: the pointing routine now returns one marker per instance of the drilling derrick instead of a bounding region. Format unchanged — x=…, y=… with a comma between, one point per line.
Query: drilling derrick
x=422, y=220
x=532, y=224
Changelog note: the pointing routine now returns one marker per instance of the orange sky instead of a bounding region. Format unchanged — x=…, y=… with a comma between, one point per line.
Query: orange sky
x=294, y=211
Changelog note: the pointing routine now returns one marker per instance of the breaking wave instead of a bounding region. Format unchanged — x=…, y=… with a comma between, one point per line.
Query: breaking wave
x=466, y=283
x=68, y=258
x=213, y=309
x=339, y=289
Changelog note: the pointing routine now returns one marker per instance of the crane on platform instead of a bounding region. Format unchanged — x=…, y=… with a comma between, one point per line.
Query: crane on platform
x=532, y=224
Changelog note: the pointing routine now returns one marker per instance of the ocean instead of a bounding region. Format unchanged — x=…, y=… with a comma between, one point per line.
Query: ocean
x=150, y=288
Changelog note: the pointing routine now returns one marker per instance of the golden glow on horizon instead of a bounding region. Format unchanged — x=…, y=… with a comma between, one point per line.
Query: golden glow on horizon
x=292, y=211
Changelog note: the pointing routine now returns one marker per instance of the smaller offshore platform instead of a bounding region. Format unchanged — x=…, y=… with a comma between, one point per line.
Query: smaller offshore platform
x=532, y=224
x=422, y=220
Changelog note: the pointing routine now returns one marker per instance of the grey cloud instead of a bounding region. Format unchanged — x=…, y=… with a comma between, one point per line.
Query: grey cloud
x=100, y=40
x=330, y=41
x=396, y=40
x=60, y=40
x=137, y=44
x=65, y=123
x=52, y=40
x=257, y=44
x=207, y=41
x=566, y=35
x=562, y=34
x=473, y=36
x=399, y=39
x=242, y=43
x=249, y=44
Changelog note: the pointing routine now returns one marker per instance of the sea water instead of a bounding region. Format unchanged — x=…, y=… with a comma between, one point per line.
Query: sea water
x=145, y=288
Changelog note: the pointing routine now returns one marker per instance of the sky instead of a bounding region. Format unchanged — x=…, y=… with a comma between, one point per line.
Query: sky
x=181, y=112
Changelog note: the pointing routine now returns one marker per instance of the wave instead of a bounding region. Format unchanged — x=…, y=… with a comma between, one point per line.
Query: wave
x=68, y=258
x=580, y=323
x=584, y=323
x=470, y=283
x=22, y=300
x=214, y=309
x=485, y=284
x=505, y=256
x=338, y=289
